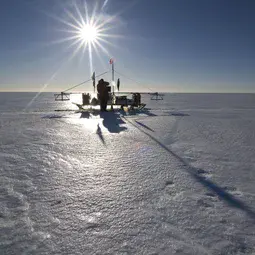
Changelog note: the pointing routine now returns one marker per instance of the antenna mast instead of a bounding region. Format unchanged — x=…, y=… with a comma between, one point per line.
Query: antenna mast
x=112, y=63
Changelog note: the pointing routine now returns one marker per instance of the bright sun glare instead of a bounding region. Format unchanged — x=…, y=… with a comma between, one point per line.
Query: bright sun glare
x=88, y=33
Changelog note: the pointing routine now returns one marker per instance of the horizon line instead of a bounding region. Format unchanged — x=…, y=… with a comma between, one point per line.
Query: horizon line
x=167, y=92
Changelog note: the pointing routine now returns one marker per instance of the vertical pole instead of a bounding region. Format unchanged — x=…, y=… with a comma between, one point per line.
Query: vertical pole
x=94, y=81
x=113, y=78
x=112, y=62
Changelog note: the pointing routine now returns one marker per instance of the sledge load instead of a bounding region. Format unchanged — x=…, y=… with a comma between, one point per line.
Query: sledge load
x=130, y=100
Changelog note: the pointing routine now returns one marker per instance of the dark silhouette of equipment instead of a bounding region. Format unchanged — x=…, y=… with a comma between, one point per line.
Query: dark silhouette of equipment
x=105, y=94
x=136, y=99
x=86, y=98
x=118, y=84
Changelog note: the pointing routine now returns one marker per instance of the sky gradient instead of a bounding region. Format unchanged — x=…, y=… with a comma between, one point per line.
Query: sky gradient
x=164, y=45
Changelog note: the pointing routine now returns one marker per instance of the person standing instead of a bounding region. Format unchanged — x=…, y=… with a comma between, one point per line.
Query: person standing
x=103, y=96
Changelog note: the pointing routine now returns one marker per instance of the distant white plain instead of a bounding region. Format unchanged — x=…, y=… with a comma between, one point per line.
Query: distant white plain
x=177, y=180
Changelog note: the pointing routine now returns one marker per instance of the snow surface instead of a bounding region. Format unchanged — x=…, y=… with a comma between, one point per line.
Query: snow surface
x=178, y=179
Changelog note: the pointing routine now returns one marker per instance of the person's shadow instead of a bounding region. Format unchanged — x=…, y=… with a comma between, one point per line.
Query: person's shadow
x=112, y=122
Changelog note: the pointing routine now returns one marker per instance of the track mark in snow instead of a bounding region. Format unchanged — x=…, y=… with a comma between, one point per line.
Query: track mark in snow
x=56, y=202
x=170, y=190
x=205, y=203
x=169, y=183
x=52, y=116
x=203, y=173
x=230, y=189
x=233, y=191
x=92, y=220
x=145, y=126
x=210, y=194
x=207, y=200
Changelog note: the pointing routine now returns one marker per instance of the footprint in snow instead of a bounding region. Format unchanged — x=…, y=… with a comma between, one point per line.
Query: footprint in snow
x=205, y=203
x=230, y=189
x=210, y=194
x=207, y=200
x=169, y=183
x=169, y=188
x=56, y=203
x=203, y=173
x=233, y=190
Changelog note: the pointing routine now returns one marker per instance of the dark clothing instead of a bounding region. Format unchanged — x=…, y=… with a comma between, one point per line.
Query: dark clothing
x=103, y=96
x=103, y=104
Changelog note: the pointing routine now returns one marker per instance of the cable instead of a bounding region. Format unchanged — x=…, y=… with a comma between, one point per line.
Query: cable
x=133, y=80
x=84, y=82
x=153, y=92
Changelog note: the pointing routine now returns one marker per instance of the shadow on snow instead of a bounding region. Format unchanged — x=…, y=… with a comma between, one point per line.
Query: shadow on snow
x=111, y=121
x=100, y=134
x=195, y=173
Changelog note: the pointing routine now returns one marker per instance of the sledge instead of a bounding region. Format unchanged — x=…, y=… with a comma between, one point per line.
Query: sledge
x=119, y=100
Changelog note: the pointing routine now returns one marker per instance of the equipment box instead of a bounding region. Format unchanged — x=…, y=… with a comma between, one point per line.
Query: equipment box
x=121, y=100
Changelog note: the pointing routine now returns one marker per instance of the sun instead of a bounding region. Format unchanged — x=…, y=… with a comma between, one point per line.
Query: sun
x=88, y=33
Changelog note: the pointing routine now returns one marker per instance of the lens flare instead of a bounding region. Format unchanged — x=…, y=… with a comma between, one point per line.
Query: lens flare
x=87, y=31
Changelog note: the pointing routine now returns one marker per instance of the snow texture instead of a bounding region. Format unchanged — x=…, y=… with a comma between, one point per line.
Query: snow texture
x=176, y=179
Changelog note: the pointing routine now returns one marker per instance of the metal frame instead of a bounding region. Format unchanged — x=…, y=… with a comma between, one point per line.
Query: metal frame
x=62, y=96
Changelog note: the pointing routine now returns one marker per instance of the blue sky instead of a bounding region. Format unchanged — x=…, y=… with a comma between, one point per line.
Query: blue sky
x=165, y=45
